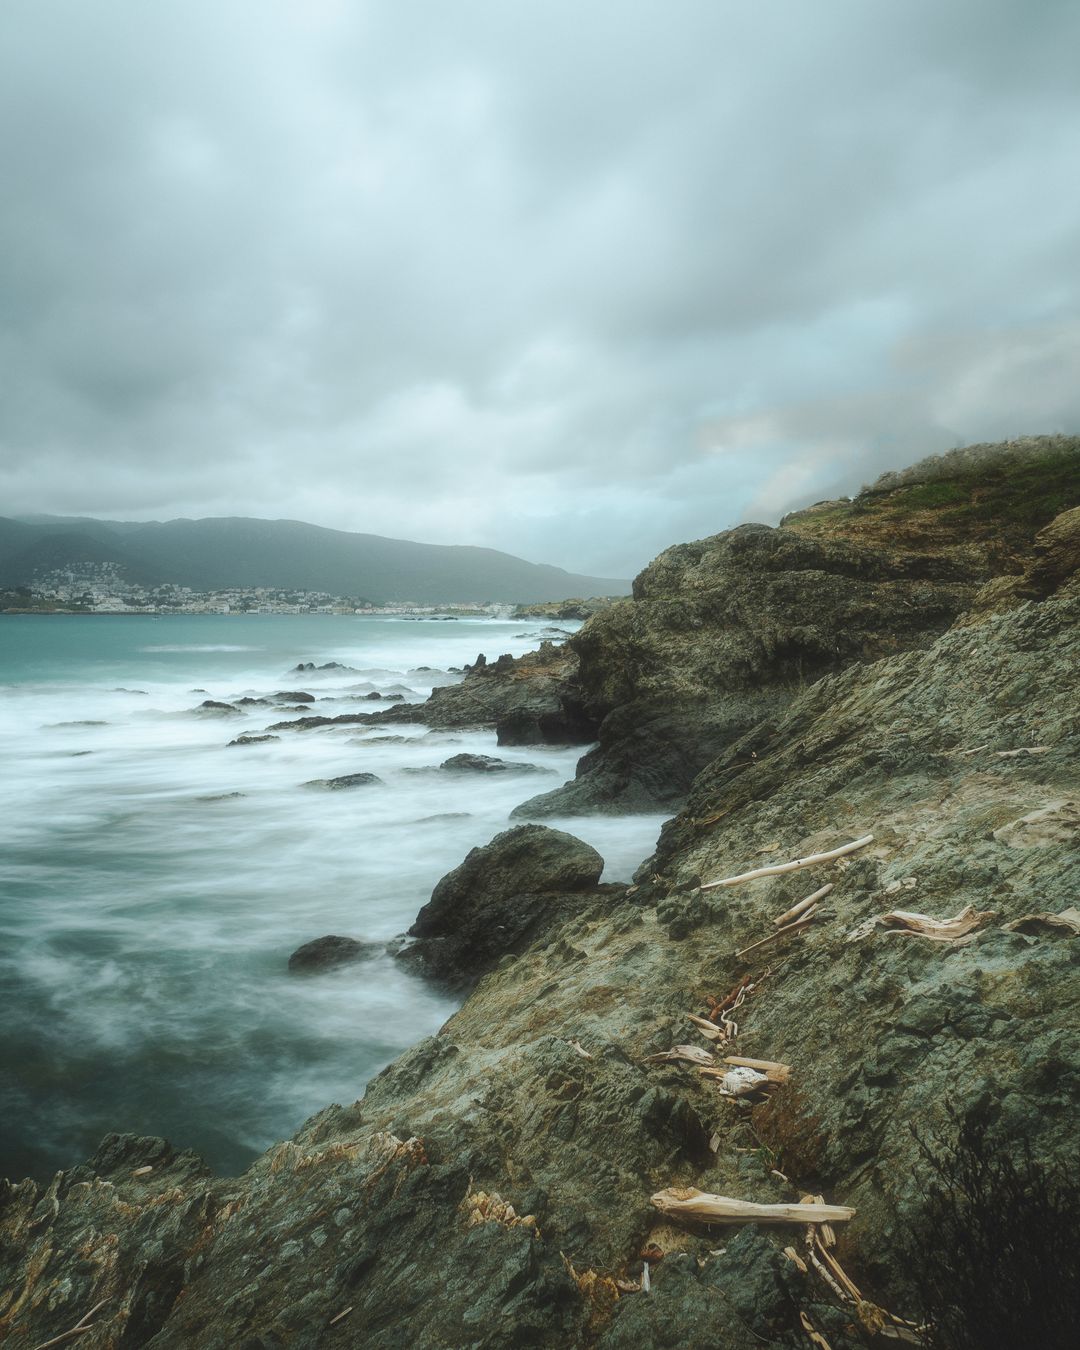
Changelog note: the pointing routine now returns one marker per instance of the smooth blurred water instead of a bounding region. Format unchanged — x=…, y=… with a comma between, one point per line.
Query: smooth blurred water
x=154, y=880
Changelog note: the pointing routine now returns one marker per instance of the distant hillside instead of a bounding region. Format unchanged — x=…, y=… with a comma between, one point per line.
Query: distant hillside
x=215, y=554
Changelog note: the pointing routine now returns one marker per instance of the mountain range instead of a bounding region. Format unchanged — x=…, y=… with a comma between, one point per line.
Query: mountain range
x=219, y=553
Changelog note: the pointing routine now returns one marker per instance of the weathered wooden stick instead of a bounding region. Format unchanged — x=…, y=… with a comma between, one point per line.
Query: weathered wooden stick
x=83, y=1324
x=924, y=925
x=774, y=1072
x=815, y=1336
x=803, y=905
x=826, y=1274
x=826, y=1235
x=796, y=927
x=708, y=1029
x=1024, y=750
x=689, y=1203
x=794, y=866
x=938, y=930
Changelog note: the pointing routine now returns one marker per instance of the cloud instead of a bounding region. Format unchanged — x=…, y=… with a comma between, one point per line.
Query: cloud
x=572, y=281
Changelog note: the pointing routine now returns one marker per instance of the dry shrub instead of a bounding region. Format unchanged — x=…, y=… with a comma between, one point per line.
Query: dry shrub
x=994, y=1256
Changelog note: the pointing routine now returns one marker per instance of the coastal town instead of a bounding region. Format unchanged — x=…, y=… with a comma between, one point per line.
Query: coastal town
x=101, y=588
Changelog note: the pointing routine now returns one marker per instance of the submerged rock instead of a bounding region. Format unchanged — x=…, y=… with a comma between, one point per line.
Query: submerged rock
x=254, y=740
x=325, y=953
x=346, y=780
x=210, y=707
x=482, y=764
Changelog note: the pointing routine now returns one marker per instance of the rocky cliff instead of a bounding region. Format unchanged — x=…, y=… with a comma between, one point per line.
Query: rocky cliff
x=492, y=1187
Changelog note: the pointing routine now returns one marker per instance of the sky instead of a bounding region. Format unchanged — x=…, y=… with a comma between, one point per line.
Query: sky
x=573, y=280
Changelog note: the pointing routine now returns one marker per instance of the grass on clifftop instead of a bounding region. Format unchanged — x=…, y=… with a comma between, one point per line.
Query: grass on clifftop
x=999, y=503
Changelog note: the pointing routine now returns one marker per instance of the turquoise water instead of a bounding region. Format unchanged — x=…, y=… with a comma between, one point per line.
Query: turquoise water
x=153, y=879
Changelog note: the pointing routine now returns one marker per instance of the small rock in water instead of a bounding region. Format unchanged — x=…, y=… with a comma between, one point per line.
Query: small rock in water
x=326, y=952
x=293, y=696
x=347, y=780
x=254, y=740
x=485, y=764
x=209, y=705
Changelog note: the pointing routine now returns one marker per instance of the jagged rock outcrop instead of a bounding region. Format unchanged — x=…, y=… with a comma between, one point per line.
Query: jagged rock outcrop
x=530, y=700
x=722, y=633
x=726, y=631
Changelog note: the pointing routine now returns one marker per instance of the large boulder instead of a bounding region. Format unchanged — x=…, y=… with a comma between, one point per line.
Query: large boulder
x=502, y=896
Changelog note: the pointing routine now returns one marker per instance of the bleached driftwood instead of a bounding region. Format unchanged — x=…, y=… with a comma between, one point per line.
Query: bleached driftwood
x=1064, y=924
x=708, y=1029
x=1024, y=750
x=774, y=1072
x=923, y=925
x=803, y=905
x=83, y=1325
x=796, y=927
x=693, y=1054
x=740, y=1082
x=815, y=1337
x=793, y=866
x=686, y=1202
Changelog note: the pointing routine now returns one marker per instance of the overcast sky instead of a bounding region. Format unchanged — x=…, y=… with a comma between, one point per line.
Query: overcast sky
x=574, y=280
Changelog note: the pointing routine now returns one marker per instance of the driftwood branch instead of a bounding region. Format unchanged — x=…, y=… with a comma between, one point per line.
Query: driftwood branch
x=708, y=1029
x=700, y=1206
x=739, y=1082
x=803, y=905
x=774, y=1072
x=796, y=927
x=815, y=1336
x=923, y=925
x=794, y=866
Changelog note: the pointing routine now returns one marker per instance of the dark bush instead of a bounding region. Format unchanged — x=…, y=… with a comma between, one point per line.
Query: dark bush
x=994, y=1258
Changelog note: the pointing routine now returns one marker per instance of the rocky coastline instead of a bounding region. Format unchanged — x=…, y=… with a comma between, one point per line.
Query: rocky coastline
x=897, y=671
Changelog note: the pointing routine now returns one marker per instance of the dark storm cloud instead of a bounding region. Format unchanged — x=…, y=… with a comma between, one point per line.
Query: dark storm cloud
x=575, y=281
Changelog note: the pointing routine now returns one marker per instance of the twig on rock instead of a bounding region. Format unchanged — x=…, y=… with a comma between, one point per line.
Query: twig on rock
x=83, y=1324
x=816, y=1338
x=803, y=905
x=796, y=927
x=793, y=866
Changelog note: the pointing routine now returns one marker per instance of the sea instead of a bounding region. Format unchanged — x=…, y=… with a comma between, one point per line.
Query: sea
x=154, y=879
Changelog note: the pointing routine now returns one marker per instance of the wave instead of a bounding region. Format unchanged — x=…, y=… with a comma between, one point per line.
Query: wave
x=200, y=647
